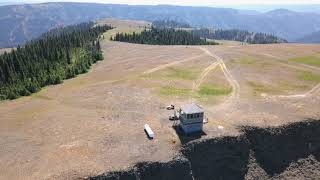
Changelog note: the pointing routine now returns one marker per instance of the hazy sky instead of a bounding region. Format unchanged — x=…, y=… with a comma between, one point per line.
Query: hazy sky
x=182, y=2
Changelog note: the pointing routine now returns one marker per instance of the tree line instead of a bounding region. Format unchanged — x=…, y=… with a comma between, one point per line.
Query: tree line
x=220, y=34
x=238, y=35
x=56, y=55
x=162, y=36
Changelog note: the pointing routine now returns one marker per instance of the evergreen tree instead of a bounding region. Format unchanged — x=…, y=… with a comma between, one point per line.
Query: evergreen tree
x=238, y=35
x=162, y=36
x=170, y=24
x=56, y=55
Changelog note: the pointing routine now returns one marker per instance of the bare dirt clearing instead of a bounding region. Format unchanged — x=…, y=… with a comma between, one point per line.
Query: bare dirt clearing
x=94, y=122
x=4, y=50
x=123, y=26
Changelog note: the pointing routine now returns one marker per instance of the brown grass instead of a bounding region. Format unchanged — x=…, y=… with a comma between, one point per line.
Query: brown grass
x=94, y=122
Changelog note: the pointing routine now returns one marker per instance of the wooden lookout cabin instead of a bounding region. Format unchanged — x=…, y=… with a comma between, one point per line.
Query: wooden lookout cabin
x=191, y=118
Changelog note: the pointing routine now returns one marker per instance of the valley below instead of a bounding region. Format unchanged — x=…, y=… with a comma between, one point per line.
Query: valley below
x=262, y=103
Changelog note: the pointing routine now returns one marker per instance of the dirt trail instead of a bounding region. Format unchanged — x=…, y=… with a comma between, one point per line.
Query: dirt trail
x=233, y=82
x=203, y=75
x=297, y=66
x=292, y=64
x=310, y=93
x=279, y=60
x=171, y=64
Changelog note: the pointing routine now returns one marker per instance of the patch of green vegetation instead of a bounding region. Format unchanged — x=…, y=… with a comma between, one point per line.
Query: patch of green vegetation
x=309, y=76
x=180, y=73
x=292, y=86
x=77, y=54
x=172, y=91
x=246, y=61
x=205, y=91
x=175, y=73
x=261, y=88
x=313, y=60
x=211, y=90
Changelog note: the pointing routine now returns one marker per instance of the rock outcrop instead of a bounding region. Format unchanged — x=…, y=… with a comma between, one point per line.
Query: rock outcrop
x=291, y=151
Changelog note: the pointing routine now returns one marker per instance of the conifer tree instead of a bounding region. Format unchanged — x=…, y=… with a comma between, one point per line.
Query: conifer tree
x=56, y=55
x=162, y=36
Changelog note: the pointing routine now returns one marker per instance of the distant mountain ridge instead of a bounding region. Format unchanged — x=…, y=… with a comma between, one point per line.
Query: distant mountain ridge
x=20, y=23
x=314, y=8
x=310, y=38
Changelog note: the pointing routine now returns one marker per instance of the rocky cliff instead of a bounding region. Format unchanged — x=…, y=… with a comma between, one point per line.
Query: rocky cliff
x=287, y=152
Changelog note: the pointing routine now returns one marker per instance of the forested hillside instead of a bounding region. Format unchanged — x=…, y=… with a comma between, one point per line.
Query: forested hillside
x=20, y=23
x=238, y=35
x=162, y=36
x=170, y=24
x=59, y=54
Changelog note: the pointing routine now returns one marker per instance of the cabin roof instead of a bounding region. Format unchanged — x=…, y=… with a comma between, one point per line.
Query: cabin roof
x=192, y=108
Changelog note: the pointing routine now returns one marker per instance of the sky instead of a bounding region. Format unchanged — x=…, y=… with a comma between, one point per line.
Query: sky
x=181, y=2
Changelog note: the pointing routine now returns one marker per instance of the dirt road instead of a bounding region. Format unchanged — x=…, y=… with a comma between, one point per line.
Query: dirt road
x=291, y=64
x=298, y=66
x=233, y=82
x=203, y=75
x=313, y=92
x=171, y=64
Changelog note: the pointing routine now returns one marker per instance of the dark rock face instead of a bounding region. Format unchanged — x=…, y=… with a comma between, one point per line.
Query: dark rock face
x=178, y=168
x=223, y=158
x=119, y=175
x=276, y=148
x=287, y=152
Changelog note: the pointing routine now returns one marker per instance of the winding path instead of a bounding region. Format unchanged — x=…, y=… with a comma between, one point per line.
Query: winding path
x=298, y=66
x=171, y=64
x=310, y=93
x=292, y=64
x=232, y=81
x=218, y=61
x=203, y=75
